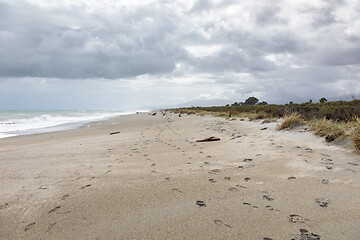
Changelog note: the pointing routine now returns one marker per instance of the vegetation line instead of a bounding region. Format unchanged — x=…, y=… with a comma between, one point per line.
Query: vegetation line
x=327, y=119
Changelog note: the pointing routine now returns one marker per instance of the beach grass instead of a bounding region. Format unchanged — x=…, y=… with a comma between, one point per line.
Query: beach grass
x=291, y=120
x=356, y=133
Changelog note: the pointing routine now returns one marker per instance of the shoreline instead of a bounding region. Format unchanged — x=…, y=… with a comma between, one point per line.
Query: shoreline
x=62, y=126
x=145, y=181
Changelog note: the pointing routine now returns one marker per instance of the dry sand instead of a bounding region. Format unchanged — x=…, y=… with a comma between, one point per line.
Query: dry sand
x=144, y=182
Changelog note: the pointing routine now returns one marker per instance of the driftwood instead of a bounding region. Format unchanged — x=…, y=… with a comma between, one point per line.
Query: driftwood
x=210, y=139
x=114, y=133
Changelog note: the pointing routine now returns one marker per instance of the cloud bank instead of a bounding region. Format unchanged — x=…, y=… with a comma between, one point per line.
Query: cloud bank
x=172, y=51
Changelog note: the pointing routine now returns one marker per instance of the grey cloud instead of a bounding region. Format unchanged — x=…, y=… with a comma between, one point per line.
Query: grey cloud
x=205, y=5
x=340, y=56
x=147, y=44
x=35, y=42
x=268, y=15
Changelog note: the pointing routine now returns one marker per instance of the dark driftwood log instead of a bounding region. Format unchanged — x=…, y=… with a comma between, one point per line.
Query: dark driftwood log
x=114, y=133
x=210, y=139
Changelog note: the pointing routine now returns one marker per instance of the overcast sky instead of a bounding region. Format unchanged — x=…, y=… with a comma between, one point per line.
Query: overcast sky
x=119, y=54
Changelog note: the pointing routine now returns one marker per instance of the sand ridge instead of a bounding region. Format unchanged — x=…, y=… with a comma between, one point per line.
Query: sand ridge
x=152, y=180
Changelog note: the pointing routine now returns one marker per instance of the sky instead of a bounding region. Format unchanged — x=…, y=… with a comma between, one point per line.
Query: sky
x=120, y=54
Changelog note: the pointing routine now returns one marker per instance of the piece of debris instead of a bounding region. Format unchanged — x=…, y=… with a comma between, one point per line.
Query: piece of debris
x=113, y=133
x=200, y=203
x=264, y=128
x=210, y=139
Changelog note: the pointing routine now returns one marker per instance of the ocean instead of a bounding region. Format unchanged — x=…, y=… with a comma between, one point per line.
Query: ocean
x=14, y=123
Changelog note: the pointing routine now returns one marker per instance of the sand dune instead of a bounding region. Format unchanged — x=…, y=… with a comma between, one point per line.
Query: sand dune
x=152, y=180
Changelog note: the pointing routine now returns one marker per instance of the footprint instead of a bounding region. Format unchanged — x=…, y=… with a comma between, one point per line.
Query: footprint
x=322, y=202
x=296, y=218
x=306, y=235
x=220, y=222
x=324, y=181
x=54, y=209
x=269, y=207
x=268, y=198
x=212, y=180
x=214, y=171
x=87, y=185
x=65, y=196
x=200, y=203
x=4, y=205
x=233, y=189
x=177, y=190
x=29, y=226
x=50, y=227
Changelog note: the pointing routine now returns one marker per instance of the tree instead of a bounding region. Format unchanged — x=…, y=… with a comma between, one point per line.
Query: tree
x=262, y=103
x=322, y=100
x=251, y=101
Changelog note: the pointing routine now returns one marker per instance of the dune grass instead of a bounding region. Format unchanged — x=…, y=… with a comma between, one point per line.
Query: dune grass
x=291, y=120
x=327, y=127
x=356, y=133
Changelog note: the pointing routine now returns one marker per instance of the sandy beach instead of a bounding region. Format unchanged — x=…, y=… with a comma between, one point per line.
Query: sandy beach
x=152, y=180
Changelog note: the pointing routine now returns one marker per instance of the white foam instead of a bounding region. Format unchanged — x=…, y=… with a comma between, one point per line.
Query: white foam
x=19, y=123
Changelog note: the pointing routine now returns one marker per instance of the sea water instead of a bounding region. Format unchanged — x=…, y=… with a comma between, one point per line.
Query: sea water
x=14, y=123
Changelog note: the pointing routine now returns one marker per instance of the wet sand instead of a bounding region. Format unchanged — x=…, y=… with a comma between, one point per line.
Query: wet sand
x=152, y=180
